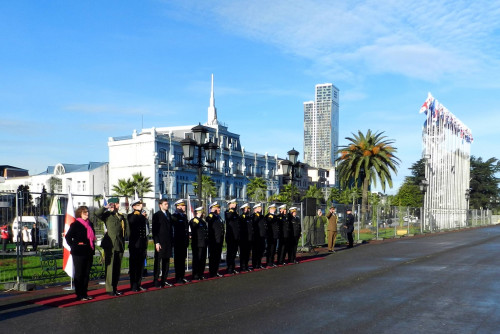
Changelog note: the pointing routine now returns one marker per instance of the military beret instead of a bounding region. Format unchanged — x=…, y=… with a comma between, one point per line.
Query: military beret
x=113, y=200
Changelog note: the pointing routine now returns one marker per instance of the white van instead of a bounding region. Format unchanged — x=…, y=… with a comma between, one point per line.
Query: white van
x=43, y=226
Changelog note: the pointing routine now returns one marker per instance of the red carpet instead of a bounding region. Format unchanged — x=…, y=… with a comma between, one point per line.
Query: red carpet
x=68, y=300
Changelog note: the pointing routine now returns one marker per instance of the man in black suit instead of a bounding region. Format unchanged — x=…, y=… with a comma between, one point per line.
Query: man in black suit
x=163, y=239
x=181, y=240
x=215, y=239
x=137, y=245
x=349, y=227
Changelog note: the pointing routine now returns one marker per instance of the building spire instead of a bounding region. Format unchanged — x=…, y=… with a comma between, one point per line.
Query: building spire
x=212, y=111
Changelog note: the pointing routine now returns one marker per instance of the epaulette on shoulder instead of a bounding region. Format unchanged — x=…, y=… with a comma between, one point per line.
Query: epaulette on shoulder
x=137, y=212
x=196, y=220
x=210, y=215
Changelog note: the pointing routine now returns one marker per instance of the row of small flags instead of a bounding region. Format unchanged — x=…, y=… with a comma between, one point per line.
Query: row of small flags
x=439, y=113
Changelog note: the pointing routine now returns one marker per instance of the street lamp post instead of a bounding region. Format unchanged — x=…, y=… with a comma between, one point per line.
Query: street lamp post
x=188, y=148
x=292, y=167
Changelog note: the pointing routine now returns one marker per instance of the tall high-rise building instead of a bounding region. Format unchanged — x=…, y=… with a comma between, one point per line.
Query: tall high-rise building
x=321, y=127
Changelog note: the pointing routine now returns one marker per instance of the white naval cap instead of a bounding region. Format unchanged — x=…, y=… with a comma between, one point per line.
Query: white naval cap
x=180, y=202
x=246, y=205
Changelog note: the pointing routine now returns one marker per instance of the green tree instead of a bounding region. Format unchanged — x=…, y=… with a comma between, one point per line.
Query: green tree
x=124, y=188
x=141, y=184
x=484, y=184
x=409, y=194
x=367, y=158
x=55, y=184
x=417, y=172
x=288, y=194
x=208, y=188
x=256, y=189
x=26, y=198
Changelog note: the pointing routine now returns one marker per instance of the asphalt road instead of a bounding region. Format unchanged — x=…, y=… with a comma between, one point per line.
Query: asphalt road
x=444, y=283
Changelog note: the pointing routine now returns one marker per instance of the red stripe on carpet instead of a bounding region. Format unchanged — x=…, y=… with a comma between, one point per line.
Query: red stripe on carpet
x=68, y=300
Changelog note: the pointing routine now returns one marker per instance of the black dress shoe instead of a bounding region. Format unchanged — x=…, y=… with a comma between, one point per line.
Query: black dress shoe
x=166, y=284
x=158, y=285
x=114, y=294
x=89, y=297
x=219, y=275
x=139, y=289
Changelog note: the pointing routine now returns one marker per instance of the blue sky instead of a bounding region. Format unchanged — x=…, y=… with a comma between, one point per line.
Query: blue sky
x=74, y=73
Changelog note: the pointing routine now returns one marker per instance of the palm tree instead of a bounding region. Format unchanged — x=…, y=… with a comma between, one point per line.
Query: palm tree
x=314, y=192
x=124, y=188
x=367, y=158
x=256, y=189
x=207, y=188
x=141, y=184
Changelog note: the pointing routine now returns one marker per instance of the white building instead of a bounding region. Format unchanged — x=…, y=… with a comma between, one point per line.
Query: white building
x=157, y=154
x=321, y=128
x=82, y=180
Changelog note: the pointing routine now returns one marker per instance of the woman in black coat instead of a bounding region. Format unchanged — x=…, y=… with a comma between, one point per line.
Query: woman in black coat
x=81, y=238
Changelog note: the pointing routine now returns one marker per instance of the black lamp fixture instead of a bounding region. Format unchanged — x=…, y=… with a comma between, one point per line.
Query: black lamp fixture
x=188, y=148
x=292, y=168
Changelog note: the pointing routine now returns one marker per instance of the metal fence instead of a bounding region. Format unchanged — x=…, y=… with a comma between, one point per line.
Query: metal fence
x=381, y=222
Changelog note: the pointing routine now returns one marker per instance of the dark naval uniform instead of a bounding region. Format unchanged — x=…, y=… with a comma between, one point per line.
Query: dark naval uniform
x=137, y=245
x=259, y=239
x=215, y=242
x=296, y=229
x=163, y=235
x=232, y=239
x=246, y=237
x=272, y=238
x=282, y=221
x=181, y=243
x=117, y=229
x=199, y=243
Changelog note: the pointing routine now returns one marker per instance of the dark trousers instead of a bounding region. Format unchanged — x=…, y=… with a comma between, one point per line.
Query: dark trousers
x=113, y=262
x=34, y=244
x=292, y=249
x=136, y=266
x=82, y=265
x=271, y=250
x=232, y=249
x=180, y=254
x=215, y=251
x=281, y=250
x=162, y=263
x=258, y=246
x=245, y=247
x=199, y=261
x=350, y=239
x=4, y=244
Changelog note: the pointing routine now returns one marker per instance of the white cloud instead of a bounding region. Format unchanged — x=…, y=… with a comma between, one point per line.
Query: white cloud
x=428, y=40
